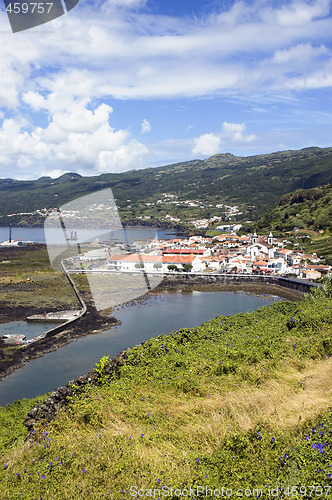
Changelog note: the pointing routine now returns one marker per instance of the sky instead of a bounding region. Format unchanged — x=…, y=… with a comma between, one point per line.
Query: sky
x=116, y=85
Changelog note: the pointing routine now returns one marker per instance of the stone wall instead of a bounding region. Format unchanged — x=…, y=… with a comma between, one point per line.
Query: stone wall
x=237, y=279
x=64, y=326
x=46, y=411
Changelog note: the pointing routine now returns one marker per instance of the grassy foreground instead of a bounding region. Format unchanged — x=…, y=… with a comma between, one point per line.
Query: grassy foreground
x=239, y=403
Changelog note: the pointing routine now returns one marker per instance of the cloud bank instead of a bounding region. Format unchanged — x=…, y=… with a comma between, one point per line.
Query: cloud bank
x=59, y=84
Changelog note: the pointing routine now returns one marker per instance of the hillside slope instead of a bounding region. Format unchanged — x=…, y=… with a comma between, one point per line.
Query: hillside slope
x=304, y=209
x=309, y=212
x=240, y=402
x=257, y=181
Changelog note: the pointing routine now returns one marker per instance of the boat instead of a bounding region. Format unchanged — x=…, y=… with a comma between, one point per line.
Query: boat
x=13, y=338
x=9, y=243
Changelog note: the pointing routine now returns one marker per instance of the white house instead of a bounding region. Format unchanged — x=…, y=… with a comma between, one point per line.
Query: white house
x=278, y=265
x=310, y=274
x=153, y=263
x=134, y=262
x=295, y=259
x=284, y=253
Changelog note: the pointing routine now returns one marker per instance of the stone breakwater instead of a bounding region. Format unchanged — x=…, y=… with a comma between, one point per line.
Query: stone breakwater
x=91, y=323
x=88, y=320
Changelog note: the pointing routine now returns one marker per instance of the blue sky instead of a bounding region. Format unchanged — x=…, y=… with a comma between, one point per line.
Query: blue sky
x=116, y=85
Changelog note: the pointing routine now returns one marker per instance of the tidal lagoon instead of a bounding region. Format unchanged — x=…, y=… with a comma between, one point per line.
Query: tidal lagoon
x=157, y=313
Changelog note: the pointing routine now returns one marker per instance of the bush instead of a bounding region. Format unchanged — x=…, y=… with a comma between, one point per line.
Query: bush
x=100, y=369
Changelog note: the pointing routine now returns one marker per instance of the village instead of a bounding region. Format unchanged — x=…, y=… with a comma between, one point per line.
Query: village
x=168, y=202
x=225, y=253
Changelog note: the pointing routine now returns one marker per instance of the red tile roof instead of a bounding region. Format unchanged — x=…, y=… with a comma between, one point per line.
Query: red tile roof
x=167, y=259
x=185, y=251
x=135, y=257
x=178, y=259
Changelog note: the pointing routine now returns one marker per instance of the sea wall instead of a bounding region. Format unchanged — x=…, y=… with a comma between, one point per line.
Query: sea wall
x=238, y=279
x=64, y=326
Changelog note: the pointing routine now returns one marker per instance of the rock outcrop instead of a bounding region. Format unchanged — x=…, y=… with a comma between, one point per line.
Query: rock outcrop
x=46, y=411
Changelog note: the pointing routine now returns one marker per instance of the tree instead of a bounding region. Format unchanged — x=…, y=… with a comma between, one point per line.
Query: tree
x=172, y=267
x=326, y=289
x=157, y=265
x=187, y=268
x=139, y=265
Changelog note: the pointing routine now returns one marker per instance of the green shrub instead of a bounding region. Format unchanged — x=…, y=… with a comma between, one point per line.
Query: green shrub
x=100, y=369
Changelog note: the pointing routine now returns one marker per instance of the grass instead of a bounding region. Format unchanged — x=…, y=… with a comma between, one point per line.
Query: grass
x=27, y=279
x=239, y=402
x=321, y=244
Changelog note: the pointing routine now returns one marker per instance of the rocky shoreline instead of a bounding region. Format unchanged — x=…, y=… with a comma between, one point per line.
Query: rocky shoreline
x=46, y=411
x=256, y=289
x=91, y=323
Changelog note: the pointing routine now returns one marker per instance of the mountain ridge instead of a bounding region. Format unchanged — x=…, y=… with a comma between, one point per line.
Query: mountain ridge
x=258, y=181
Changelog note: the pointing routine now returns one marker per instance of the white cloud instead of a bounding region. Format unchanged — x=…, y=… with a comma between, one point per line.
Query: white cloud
x=145, y=126
x=78, y=139
x=301, y=53
x=122, y=50
x=207, y=145
x=301, y=12
x=34, y=100
x=125, y=157
x=231, y=134
x=236, y=132
x=124, y=3
x=318, y=79
x=146, y=55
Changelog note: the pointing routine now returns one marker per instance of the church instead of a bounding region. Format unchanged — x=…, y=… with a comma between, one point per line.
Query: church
x=261, y=248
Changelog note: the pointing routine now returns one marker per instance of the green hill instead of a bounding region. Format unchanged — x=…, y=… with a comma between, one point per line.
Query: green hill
x=307, y=213
x=304, y=209
x=255, y=183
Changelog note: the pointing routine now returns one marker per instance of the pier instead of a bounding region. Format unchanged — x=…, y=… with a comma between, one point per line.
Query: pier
x=54, y=317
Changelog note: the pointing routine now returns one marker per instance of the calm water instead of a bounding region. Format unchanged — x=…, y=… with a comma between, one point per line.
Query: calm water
x=30, y=330
x=159, y=314
x=37, y=234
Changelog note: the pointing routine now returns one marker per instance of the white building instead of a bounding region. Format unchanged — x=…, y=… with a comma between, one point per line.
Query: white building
x=153, y=263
